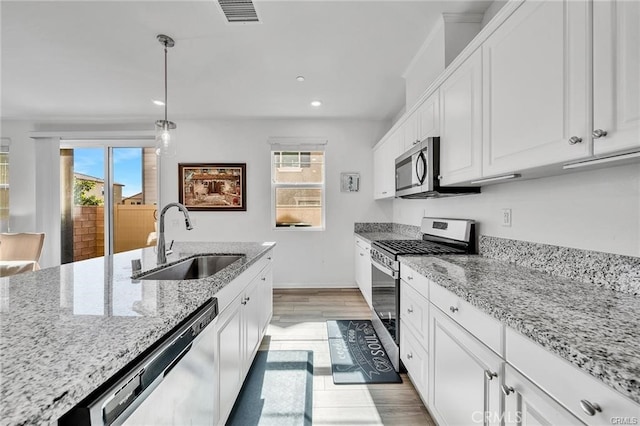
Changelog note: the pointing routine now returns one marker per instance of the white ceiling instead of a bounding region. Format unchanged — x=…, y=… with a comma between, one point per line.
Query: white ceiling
x=90, y=60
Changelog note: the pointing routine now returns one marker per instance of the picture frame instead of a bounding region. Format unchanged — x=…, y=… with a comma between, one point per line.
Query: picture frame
x=213, y=186
x=349, y=182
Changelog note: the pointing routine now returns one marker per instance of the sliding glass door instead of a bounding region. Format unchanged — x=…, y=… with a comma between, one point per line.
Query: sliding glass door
x=108, y=199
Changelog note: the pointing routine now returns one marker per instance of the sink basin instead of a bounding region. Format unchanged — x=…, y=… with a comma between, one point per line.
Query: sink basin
x=193, y=268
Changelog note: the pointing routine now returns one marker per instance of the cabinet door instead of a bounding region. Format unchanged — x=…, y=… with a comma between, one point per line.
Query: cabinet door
x=363, y=269
x=252, y=309
x=384, y=167
x=415, y=359
x=463, y=384
x=616, y=75
x=526, y=404
x=410, y=131
x=230, y=360
x=461, y=123
x=266, y=301
x=428, y=117
x=535, y=87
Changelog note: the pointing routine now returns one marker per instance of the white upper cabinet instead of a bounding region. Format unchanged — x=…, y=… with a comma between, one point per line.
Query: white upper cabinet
x=616, y=75
x=384, y=168
x=535, y=85
x=461, y=123
x=429, y=117
x=410, y=131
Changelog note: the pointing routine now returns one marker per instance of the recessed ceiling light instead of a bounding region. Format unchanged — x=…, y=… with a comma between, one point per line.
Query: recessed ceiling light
x=316, y=103
x=300, y=78
x=157, y=102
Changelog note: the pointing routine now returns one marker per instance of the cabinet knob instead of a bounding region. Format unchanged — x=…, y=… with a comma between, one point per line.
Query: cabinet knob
x=453, y=309
x=590, y=408
x=490, y=374
x=244, y=301
x=415, y=142
x=599, y=133
x=507, y=390
x=409, y=277
x=574, y=140
x=384, y=192
x=409, y=310
x=361, y=254
x=269, y=258
x=409, y=356
x=263, y=278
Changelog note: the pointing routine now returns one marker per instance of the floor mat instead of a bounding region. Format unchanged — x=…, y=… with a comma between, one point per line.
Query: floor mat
x=357, y=355
x=278, y=390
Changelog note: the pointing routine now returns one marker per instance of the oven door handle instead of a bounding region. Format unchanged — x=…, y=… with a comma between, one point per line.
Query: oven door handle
x=393, y=274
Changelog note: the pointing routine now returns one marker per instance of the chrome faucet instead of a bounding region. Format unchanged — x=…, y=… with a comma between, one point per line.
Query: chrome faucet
x=162, y=252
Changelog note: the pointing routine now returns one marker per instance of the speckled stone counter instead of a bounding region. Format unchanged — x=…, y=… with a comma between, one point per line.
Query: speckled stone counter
x=386, y=231
x=594, y=328
x=65, y=330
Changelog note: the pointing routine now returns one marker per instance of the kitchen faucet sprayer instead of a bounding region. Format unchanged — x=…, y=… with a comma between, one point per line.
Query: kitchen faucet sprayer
x=162, y=252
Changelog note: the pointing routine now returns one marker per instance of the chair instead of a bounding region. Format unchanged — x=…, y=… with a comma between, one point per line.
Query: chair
x=22, y=247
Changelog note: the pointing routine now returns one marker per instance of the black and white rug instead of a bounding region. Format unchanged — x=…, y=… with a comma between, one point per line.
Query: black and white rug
x=357, y=355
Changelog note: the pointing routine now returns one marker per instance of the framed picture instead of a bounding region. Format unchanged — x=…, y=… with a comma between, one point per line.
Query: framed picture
x=213, y=187
x=349, y=182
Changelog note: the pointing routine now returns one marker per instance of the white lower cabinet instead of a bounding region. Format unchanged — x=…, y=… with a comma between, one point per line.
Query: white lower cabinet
x=526, y=404
x=416, y=360
x=363, y=268
x=240, y=327
x=464, y=387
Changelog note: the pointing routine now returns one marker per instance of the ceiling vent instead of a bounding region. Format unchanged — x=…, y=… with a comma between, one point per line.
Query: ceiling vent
x=239, y=11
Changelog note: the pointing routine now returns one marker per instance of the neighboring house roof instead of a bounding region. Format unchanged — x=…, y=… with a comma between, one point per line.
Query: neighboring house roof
x=138, y=195
x=82, y=176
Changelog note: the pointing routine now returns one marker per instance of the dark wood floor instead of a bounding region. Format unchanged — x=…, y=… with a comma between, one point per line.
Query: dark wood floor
x=299, y=323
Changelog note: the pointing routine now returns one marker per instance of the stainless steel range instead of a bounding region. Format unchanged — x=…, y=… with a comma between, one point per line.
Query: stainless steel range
x=440, y=236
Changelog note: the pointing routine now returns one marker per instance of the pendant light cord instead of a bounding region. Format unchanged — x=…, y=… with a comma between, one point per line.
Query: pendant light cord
x=165, y=85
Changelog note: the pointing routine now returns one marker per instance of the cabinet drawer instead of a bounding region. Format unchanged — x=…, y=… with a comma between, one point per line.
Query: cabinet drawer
x=415, y=358
x=414, y=312
x=485, y=328
x=566, y=382
x=363, y=244
x=416, y=280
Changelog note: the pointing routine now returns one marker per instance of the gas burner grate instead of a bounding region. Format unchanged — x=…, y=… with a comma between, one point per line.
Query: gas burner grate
x=400, y=247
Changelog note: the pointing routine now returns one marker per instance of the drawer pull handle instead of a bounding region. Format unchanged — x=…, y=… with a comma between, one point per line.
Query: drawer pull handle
x=599, y=133
x=453, y=309
x=490, y=374
x=409, y=356
x=244, y=301
x=409, y=310
x=507, y=390
x=574, y=140
x=361, y=254
x=263, y=278
x=409, y=277
x=269, y=258
x=590, y=408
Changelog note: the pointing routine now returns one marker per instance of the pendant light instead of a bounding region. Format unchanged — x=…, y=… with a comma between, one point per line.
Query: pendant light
x=165, y=129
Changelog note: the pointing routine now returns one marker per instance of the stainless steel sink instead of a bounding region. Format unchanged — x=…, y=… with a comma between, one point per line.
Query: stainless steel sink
x=193, y=268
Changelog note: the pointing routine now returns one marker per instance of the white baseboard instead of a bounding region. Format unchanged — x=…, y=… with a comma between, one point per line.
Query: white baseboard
x=314, y=285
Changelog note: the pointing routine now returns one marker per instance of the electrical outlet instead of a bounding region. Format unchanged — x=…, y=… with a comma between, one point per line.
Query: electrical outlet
x=506, y=217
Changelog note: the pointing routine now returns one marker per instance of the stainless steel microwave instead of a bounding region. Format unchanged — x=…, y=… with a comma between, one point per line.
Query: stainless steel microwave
x=418, y=170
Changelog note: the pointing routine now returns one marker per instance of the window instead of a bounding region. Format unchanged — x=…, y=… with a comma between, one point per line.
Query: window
x=298, y=186
x=4, y=184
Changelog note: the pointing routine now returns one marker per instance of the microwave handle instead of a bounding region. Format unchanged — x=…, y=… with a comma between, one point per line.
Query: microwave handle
x=421, y=167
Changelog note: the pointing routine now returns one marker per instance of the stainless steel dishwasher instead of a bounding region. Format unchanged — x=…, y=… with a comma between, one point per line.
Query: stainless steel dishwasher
x=173, y=385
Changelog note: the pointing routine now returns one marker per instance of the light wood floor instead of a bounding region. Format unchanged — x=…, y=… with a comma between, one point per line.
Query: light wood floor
x=299, y=323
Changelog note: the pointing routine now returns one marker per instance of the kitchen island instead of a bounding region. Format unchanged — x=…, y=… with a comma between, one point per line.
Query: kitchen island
x=66, y=330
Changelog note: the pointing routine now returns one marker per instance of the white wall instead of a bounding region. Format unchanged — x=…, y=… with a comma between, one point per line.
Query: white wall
x=302, y=258
x=594, y=210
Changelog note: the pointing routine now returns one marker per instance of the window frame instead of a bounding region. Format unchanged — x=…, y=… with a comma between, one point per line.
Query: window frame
x=322, y=186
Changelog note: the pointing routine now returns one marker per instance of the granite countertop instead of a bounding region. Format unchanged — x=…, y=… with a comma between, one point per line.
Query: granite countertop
x=380, y=236
x=595, y=329
x=65, y=330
